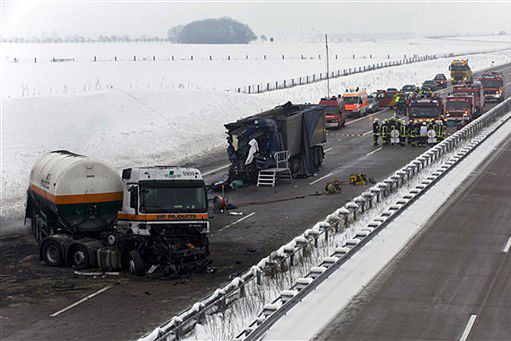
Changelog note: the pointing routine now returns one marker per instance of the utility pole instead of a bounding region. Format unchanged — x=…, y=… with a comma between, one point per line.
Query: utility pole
x=327, y=68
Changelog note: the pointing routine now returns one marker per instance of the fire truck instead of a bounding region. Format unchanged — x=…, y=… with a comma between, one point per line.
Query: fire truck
x=426, y=109
x=459, y=109
x=493, y=86
x=335, y=115
x=460, y=72
x=476, y=90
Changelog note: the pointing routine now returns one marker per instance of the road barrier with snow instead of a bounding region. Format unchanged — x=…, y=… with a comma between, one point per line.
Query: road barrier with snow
x=282, y=262
x=289, y=83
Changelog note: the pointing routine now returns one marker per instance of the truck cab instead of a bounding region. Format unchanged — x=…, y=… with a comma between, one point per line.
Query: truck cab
x=425, y=109
x=460, y=72
x=493, y=86
x=459, y=109
x=168, y=205
x=475, y=90
x=335, y=115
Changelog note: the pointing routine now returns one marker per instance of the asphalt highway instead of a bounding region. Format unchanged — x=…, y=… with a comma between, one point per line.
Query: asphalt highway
x=131, y=307
x=455, y=281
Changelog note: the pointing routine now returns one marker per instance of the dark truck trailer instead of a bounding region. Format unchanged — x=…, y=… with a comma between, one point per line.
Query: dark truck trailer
x=299, y=129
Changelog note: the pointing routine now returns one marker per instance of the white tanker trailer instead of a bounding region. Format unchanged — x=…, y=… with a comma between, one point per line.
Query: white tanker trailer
x=83, y=214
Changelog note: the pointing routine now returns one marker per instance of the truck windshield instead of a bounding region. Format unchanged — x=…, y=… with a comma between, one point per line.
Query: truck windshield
x=491, y=83
x=172, y=197
x=459, y=105
x=459, y=68
x=351, y=100
x=423, y=112
x=332, y=110
x=407, y=88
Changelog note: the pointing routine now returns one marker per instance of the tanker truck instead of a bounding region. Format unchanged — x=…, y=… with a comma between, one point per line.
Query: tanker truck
x=84, y=214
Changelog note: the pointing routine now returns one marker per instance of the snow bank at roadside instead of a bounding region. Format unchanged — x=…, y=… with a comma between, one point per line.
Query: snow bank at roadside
x=136, y=127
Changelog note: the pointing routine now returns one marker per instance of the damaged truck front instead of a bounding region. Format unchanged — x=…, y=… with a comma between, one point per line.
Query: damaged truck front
x=254, y=142
x=83, y=214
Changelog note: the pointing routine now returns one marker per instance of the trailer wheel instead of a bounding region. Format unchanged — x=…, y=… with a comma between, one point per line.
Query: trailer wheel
x=136, y=263
x=80, y=257
x=52, y=253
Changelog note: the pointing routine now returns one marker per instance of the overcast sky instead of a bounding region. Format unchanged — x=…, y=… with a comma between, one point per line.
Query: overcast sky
x=31, y=18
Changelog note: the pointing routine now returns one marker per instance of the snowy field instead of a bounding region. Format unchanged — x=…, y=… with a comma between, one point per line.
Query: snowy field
x=128, y=127
x=28, y=79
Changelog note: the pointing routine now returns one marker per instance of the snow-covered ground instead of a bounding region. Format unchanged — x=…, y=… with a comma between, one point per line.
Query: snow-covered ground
x=127, y=127
x=27, y=79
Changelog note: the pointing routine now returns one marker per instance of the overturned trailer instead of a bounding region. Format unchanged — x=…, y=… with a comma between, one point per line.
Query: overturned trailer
x=258, y=142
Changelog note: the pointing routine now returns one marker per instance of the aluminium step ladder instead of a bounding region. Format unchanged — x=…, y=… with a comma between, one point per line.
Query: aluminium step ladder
x=269, y=177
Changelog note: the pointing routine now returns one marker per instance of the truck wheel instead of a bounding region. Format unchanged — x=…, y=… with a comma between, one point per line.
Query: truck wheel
x=136, y=263
x=52, y=253
x=320, y=156
x=80, y=257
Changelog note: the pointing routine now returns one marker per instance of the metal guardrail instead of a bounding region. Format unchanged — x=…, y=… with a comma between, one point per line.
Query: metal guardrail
x=314, y=78
x=180, y=325
x=304, y=286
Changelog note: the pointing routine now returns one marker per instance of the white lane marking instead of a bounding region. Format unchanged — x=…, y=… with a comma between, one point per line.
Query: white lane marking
x=80, y=301
x=326, y=150
x=215, y=170
x=367, y=132
x=374, y=151
x=368, y=116
x=508, y=245
x=468, y=328
x=237, y=221
x=323, y=177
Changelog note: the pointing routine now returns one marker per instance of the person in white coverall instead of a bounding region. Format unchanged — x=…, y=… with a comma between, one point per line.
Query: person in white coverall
x=254, y=148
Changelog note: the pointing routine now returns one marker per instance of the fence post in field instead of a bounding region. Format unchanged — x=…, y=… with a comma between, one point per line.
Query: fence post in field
x=154, y=58
x=115, y=58
x=264, y=57
x=172, y=57
x=314, y=77
x=228, y=57
x=267, y=86
x=94, y=58
x=307, y=82
x=210, y=57
x=35, y=60
x=249, y=89
x=246, y=56
x=276, y=84
x=134, y=58
x=284, y=83
x=258, y=88
x=353, y=56
x=282, y=57
x=191, y=57
x=335, y=56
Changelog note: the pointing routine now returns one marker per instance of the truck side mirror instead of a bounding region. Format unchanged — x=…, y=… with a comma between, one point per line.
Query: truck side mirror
x=134, y=197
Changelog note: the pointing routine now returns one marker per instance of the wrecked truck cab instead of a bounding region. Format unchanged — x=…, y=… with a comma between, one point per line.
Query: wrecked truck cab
x=255, y=142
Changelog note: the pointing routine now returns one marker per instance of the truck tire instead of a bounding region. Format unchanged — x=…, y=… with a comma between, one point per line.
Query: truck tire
x=52, y=253
x=79, y=257
x=136, y=263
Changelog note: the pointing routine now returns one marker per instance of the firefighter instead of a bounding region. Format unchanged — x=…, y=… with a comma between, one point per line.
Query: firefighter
x=385, y=133
x=438, y=130
x=402, y=132
x=410, y=133
x=423, y=135
x=376, y=131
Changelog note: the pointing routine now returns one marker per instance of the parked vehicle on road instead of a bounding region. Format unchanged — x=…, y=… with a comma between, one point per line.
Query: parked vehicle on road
x=493, y=86
x=460, y=72
x=426, y=109
x=387, y=98
x=408, y=89
x=476, y=90
x=83, y=214
x=429, y=85
x=440, y=81
x=459, y=109
x=335, y=115
x=255, y=142
x=372, y=105
x=356, y=103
